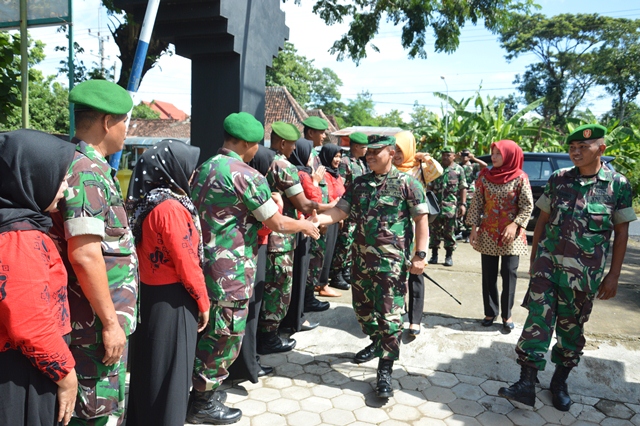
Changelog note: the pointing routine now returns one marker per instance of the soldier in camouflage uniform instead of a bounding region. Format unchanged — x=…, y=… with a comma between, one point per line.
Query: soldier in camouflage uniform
x=451, y=191
x=579, y=209
x=95, y=241
x=382, y=204
x=471, y=166
x=283, y=178
x=351, y=166
x=231, y=198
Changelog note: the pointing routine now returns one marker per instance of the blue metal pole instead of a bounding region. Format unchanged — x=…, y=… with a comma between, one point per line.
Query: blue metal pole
x=138, y=62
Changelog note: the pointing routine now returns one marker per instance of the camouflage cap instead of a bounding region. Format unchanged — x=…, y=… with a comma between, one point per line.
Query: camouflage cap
x=244, y=126
x=447, y=149
x=286, y=131
x=358, y=138
x=316, y=123
x=101, y=95
x=377, y=141
x=587, y=132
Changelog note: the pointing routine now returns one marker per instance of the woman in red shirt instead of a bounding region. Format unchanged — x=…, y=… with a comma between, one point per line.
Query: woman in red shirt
x=174, y=304
x=35, y=361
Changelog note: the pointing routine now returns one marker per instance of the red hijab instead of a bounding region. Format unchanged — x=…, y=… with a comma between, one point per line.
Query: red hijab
x=511, y=168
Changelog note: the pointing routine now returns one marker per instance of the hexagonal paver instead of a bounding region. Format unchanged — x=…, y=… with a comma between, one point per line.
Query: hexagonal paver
x=393, y=423
x=300, y=358
x=296, y=392
x=251, y=407
x=372, y=415
x=472, y=380
x=268, y=419
x=491, y=387
x=467, y=391
x=635, y=419
x=265, y=394
x=552, y=415
x=458, y=420
x=356, y=388
x=409, y=397
x=611, y=421
x=335, y=378
x=398, y=373
x=435, y=410
x=318, y=369
x=492, y=419
x=277, y=382
x=614, y=409
x=412, y=382
x=429, y=422
x=634, y=407
x=442, y=379
x=283, y=406
x=404, y=413
x=439, y=394
x=496, y=404
x=315, y=404
x=306, y=379
x=337, y=417
x=274, y=360
x=289, y=370
x=465, y=407
x=526, y=418
x=348, y=402
x=303, y=418
x=326, y=391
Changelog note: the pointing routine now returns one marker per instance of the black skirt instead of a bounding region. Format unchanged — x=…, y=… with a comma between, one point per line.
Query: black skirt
x=295, y=315
x=162, y=363
x=27, y=397
x=330, y=248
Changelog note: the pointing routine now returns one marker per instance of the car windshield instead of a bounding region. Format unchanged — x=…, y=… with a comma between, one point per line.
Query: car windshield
x=563, y=163
x=537, y=169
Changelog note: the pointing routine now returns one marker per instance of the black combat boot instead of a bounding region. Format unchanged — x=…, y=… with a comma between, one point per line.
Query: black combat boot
x=311, y=304
x=270, y=343
x=204, y=407
x=365, y=354
x=524, y=390
x=448, y=261
x=434, y=256
x=346, y=273
x=383, y=387
x=560, y=393
x=337, y=280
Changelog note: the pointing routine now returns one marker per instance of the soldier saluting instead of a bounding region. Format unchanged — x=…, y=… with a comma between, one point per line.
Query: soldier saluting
x=579, y=209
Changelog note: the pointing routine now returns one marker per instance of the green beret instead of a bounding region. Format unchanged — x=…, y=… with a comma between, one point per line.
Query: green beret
x=316, y=123
x=286, y=131
x=101, y=95
x=447, y=149
x=359, y=138
x=244, y=126
x=377, y=141
x=586, y=132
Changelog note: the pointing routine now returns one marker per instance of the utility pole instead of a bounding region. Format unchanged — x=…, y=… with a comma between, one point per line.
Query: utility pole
x=446, y=118
x=101, y=41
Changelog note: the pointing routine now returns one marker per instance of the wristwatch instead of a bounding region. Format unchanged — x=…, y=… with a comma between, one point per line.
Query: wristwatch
x=421, y=254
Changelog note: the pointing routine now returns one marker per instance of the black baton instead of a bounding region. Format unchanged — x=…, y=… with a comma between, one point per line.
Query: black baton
x=424, y=274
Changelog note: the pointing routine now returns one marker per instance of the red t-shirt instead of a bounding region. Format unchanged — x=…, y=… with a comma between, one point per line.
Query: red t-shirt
x=335, y=186
x=34, y=310
x=168, y=252
x=312, y=192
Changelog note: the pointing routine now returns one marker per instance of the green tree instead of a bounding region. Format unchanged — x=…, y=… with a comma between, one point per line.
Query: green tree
x=325, y=92
x=444, y=18
x=144, y=112
x=392, y=119
x=359, y=112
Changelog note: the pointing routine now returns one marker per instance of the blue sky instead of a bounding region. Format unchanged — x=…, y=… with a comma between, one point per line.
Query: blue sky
x=395, y=81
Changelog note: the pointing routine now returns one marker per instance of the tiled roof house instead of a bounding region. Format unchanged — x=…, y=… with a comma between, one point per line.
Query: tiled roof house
x=167, y=110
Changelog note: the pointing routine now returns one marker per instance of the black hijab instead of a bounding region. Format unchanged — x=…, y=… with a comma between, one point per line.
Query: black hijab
x=162, y=173
x=300, y=156
x=262, y=160
x=33, y=165
x=327, y=152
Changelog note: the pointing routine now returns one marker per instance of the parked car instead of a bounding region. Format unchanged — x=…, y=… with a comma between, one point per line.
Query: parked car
x=539, y=166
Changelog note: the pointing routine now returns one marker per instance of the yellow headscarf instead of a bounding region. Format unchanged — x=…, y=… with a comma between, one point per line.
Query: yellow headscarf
x=406, y=142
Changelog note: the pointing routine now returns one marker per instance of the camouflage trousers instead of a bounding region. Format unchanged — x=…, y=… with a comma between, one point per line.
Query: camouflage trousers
x=378, y=302
x=342, y=253
x=549, y=305
x=316, y=260
x=461, y=221
x=219, y=345
x=277, y=290
x=101, y=389
x=442, y=229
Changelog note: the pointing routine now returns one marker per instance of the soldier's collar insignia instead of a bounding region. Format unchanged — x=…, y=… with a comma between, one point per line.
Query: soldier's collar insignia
x=586, y=133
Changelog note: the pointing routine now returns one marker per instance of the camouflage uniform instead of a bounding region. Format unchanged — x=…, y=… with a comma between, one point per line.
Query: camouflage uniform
x=382, y=207
x=318, y=247
x=283, y=178
x=350, y=168
x=231, y=198
x=93, y=206
x=471, y=171
x=570, y=262
x=447, y=187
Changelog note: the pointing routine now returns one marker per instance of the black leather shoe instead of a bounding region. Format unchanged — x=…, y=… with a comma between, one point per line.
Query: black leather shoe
x=310, y=326
x=316, y=305
x=338, y=281
x=346, y=274
x=383, y=379
x=265, y=370
x=414, y=331
x=205, y=408
x=508, y=326
x=488, y=322
x=271, y=343
x=364, y=355
x=448, y=259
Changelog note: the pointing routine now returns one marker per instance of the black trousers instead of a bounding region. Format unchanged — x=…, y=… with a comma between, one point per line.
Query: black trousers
x=162, y=364
x=246, y=366
x=332, y=237
x=508, y=271
x=416, y=298
x=27, y=397
x=295, y=314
